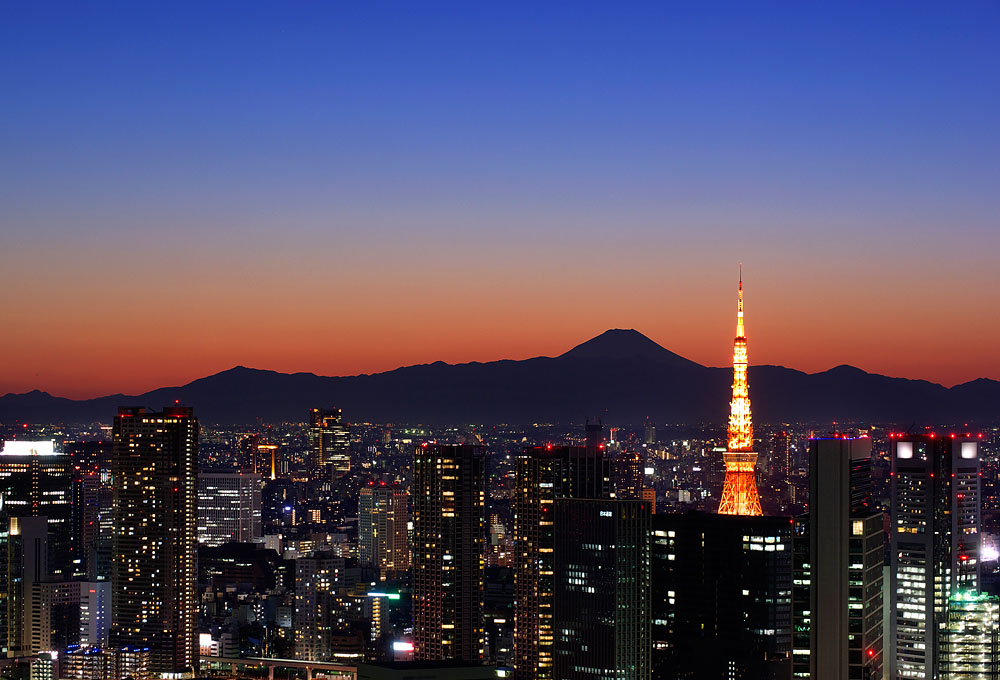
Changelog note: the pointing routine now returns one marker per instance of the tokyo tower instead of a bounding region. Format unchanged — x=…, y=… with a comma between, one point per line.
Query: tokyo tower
x=739, y=491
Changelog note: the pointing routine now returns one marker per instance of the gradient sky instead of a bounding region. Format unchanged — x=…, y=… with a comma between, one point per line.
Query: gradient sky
x=351, y=187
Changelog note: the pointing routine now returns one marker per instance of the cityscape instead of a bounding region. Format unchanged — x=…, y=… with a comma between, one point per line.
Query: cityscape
x=473, y=341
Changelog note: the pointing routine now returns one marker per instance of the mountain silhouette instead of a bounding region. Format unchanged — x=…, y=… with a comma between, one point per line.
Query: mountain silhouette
x=621, y=374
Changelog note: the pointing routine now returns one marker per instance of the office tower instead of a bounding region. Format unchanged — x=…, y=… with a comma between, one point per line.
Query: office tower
x=602, y=589
x=970, y=640
x=328, y=442
x=228, y=507
x=449, y=540
x=739, y=490
x=543, y=475
x=934, y=542
x=839, y=555
x=629, y=480
x=722, y=590
x=153, y=599
x=25, y=563
x=36, y=480
x=382, y=531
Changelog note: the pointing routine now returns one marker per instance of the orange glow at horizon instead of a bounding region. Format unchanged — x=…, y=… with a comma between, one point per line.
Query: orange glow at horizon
x=101, y=322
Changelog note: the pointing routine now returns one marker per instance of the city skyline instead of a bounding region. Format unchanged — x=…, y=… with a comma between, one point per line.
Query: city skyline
x=489, y=172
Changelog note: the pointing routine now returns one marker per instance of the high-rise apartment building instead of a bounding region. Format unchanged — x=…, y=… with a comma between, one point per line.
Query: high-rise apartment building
x=934, y=542
x=543, y=475
x=318, y=581
x=382, y=529
x=328, y=440
x=228, y=507
x=449, y=543
x=722, y=596
x=602, y=589
x=839, y=555
x=154, y=581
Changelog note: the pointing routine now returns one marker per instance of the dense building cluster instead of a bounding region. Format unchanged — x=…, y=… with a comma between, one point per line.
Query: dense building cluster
x=161, y=547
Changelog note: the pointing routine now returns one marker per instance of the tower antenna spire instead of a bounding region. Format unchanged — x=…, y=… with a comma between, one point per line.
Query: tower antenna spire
x=739, y=491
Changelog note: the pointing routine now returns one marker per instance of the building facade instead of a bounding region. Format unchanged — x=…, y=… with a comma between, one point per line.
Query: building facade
x=543, y=475
x=601, y=606
x=154, y=580
x=382, y=532
x=839, y=557
x=229, y=507
x=934, y=542
x=449, y=544
x=328, y=440
x=722, y=596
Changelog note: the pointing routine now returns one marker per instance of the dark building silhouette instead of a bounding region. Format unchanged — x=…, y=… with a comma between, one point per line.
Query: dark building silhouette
x=545, y=474
x=722, y=591
x=602, y=589
x=155, y=471
x=449, y=545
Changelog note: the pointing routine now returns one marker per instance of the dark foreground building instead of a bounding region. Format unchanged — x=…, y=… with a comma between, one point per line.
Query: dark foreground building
x=602, y=589
x=722, y=588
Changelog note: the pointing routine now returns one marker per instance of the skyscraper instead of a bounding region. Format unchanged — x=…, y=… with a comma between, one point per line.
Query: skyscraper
x=602, y=589
x=153, y=601
x=934, y=542
x=382, y=533
x=25, y=542
x=228, y=507
x=839, y=548
x=328, y=442
x=739, y=491
x=37, y=480
x=449, y=541
x=543, y=475
x=722, y=597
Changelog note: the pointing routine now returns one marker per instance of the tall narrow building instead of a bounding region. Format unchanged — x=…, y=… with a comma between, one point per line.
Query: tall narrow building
x=154, y=580
x=449, y=541
x=934, y=543
x=382, y=534
x=839, y=554
x=544, y=475
x=739, y=491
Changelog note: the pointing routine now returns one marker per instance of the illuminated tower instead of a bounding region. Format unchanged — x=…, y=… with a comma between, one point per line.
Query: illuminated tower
x=739, y=492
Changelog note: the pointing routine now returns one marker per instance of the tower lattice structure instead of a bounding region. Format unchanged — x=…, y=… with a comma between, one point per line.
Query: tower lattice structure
x=739, y=491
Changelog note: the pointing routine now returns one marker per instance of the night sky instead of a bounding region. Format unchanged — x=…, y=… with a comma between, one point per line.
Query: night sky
x=351, y=187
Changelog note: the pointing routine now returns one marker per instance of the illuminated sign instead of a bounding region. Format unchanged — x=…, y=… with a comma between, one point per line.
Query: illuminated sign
x=28, y=448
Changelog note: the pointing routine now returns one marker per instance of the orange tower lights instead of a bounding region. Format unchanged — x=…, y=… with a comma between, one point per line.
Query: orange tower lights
x=739, y=491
